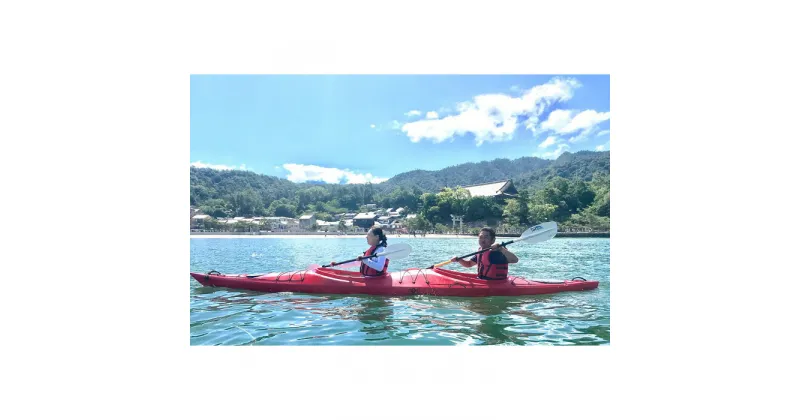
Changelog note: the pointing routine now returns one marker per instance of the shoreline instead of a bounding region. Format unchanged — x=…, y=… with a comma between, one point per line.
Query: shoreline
x=315, y=235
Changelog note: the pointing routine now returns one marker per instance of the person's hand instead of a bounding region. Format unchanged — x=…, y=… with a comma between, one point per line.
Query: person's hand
x=494, y=247
x=333, y=263
x=359, y=258
x=454, y=259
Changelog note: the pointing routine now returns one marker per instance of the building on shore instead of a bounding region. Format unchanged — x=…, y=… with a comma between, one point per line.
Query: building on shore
x=365, y=220
x=499, y=190
x=308, y=221
x=199, y=221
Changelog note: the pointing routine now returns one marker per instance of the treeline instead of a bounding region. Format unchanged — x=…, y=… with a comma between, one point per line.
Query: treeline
x=525, y=171
x=573, y=189
x=571, y=202
x=241, y=193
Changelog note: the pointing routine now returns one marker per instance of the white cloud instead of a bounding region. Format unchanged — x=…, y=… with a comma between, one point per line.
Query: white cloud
x=413, y=113
x=548, y=142
x=600, y=148
x=372, y=126
x=200, y=164
x=583, y=135
x=431, y=115
x=396, y=125
x=564, y=121
x=585, y=120
x=303, y=173
x=557, y=120
x=555, y=153
x=603, y=133
x=493, y=117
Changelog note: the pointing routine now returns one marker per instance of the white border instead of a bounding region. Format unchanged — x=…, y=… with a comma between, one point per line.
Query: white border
x=96, y=133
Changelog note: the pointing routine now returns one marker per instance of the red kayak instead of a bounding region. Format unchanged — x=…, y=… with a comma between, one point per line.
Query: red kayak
x=413, y=281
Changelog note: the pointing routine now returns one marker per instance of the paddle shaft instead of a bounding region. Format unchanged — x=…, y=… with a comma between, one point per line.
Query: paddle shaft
x=349, y=261
x=469, y=255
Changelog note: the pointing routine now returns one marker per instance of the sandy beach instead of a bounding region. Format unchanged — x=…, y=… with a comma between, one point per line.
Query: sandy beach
x=321, y=236
x=392, y=236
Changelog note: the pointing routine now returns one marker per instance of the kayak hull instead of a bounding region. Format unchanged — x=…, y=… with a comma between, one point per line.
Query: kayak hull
x=438, y=282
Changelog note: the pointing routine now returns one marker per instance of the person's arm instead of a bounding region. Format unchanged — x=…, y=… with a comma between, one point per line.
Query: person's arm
x=510, y=257
x=345, y=265
x=465, y=263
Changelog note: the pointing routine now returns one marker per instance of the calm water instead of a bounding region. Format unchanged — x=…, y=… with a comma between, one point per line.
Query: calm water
x=235, y=317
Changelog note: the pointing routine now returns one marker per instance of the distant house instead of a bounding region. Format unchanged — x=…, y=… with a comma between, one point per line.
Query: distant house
x=365, y=220
x=500, y=190
x=307, y=221
x=371, y=206
x=274, y=223
x=349, y=215
x=328, y=226
x=291, y=225
x=199, y=220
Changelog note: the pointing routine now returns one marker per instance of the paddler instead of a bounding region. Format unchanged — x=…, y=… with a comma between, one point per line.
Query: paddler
x=492, y=265
x=377, y=266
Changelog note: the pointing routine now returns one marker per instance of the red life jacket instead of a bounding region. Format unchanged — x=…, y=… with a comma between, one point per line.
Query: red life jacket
x=369, y=271
x=489, y=271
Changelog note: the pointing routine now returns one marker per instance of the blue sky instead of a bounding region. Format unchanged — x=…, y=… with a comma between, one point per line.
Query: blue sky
x=350, y=129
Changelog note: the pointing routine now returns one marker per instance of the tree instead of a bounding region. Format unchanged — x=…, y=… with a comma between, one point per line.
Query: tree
x=540, y=213
x=247, y=203
x=512, y=212
x=282, y=208
x=600, y=184
x=580, y=195
x=419, y=224
x=427, y=205
x=212, y=223
x=216, y=208
x=441, y=228
x=242, y=226
x=524, y=212
x=199, y=194
x=556, y=192
x=434, y=215
x=369, y=193
x=589, y=220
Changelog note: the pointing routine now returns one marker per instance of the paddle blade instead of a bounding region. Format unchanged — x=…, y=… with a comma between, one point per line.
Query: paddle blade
x=539, y=233
x=396, y=251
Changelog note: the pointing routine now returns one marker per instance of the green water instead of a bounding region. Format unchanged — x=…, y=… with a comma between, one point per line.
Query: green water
x=236, y=317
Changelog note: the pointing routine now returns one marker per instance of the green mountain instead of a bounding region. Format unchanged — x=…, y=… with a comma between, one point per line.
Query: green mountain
x=525, y=172
x=243, y=193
